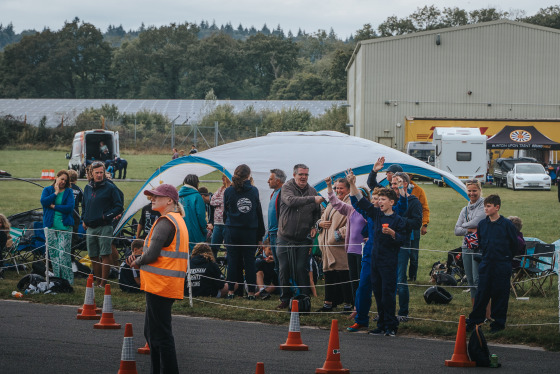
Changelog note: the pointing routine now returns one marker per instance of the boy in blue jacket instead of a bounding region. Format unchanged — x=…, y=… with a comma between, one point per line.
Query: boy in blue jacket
x=497, y=241
x=388, y=235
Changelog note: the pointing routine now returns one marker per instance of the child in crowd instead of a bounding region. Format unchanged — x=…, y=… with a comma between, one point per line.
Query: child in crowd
x=388, y=236
x=206, y=277
x=267, y=279
x=129, y=279
x=497, y=241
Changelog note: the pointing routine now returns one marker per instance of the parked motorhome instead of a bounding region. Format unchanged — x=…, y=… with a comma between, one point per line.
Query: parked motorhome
x=88, y=146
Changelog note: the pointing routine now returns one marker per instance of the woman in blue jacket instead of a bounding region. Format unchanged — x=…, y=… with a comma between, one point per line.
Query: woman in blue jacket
x=58, y=202
x=195, y=210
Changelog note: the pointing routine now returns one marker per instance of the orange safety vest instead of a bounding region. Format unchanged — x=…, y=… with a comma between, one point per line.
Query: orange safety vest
x=166, y=276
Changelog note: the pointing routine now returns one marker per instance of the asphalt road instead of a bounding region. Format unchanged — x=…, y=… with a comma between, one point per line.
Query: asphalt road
x=38, y=338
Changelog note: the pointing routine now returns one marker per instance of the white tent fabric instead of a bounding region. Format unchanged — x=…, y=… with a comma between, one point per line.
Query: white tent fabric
x=326, y=153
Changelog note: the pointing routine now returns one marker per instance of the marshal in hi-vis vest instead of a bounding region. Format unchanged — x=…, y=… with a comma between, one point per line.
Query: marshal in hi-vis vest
x=166, y=276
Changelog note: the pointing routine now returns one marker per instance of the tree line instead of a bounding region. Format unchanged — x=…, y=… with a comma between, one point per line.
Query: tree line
x=186, y=61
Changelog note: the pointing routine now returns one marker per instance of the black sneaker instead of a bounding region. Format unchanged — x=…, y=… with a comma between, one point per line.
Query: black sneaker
x=325, y=309
x=251, y=297
x=230, y=296
x=376, y=331
x=390, y=333
x=347, y=309
x=283, y=304
x=264, y=295
x=495, y=329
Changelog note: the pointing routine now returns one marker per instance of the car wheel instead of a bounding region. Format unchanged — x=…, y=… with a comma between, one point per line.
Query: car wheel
x=513, y=186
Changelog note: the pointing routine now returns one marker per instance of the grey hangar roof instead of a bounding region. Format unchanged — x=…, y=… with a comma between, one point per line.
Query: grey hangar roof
x=191, y=111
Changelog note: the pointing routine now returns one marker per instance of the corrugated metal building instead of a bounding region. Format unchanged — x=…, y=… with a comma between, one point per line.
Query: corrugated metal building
x=501, y=70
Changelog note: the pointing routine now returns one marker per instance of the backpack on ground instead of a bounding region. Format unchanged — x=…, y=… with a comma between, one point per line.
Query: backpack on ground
x=478, y=348
x=304, y=303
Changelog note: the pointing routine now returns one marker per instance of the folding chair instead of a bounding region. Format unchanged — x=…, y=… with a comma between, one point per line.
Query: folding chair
x=539, y=266
x=12, y=252
x=520, y=276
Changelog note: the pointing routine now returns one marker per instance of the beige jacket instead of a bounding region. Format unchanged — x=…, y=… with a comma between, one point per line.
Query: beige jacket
x=334, y=252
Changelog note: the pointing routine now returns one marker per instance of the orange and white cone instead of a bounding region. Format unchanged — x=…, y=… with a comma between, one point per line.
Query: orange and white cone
x=260, y=368
x=97, y=310
x=51, y=174
x=107, y=318
x=294, y=342
x=88, y=310
x=460, y=356
x=44, y=174
x=332, y=363
x=145, y=350
x=128, y=358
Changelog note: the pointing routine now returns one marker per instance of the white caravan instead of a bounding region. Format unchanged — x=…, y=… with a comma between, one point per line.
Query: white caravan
x=461, y=152
x=424, y=151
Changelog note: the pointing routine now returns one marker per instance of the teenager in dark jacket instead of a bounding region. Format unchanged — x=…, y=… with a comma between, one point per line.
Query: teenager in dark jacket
x=206, y=277
x=497, y=241
x=244, y=229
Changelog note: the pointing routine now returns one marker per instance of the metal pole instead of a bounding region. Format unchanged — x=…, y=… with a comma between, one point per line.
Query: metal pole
x=173, y=135
x=195, y=134
x=47, y=257
x=216, y=133
x=189, y=281
x=134, y=132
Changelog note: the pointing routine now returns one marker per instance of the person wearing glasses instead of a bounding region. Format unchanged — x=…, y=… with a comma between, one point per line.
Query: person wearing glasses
x=466, y=227
x=102, y=204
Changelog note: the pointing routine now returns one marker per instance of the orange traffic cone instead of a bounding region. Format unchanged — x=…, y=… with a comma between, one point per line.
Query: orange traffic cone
x=88, y=310
x=128, y=360
x=97, y=310
x=44, y=174
x=107, y=319
x=145, y=350
x=332, y=363
x=260, y=368
x=51, y=174
x=460, y=357
x=294, y=343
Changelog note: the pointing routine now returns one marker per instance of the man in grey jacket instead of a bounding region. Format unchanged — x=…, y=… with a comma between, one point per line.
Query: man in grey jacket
x=299, y=210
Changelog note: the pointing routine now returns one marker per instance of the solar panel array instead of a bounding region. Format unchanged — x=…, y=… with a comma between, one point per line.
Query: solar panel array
x=189, y=111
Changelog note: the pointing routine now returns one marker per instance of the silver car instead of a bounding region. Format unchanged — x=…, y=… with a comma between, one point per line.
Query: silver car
x=528, y=176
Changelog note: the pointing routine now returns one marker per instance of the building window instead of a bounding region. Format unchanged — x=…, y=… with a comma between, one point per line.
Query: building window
x=464, y=156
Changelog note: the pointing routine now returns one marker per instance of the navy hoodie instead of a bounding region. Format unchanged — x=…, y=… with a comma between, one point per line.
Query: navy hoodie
x=242, y=210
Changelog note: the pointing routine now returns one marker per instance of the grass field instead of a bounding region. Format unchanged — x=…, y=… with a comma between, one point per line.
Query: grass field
x=537, y=209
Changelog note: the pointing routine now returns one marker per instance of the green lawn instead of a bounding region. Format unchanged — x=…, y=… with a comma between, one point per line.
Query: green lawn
x=537, y=209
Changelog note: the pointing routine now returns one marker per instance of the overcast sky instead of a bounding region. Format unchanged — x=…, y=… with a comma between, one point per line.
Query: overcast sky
x=344, y=16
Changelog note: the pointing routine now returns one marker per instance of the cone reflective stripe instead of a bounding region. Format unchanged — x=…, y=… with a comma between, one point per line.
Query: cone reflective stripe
x=88, y=310
x=145, y=350
x=260, y=368
x=107, y=318
x=332, y=363
x=294, y=342
x=460, y=357
x=128, y=356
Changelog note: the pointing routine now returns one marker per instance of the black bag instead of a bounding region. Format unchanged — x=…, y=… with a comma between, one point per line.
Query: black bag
x=304, y=303
x=478, y=348
x=445, y=280
x=437, y=295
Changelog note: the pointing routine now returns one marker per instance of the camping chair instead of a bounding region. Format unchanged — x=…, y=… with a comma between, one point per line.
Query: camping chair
x=520, y=276
x=539, y=266
x=12, y=252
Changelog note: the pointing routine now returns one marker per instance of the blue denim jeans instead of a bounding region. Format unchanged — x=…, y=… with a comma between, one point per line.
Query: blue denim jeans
x=471, y=270
x=217, y=238
x=402, y=282
x=272, y=237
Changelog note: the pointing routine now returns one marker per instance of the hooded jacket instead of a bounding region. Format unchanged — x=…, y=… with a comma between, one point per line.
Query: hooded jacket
x=469, y=217
x=243, y=210
x=195, y=214
x=333, y=250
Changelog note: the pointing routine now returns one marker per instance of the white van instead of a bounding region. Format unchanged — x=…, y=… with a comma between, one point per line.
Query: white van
x=461, y=152
x=86, y=148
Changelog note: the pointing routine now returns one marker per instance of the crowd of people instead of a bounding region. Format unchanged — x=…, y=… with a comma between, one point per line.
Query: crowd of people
x=367, y=239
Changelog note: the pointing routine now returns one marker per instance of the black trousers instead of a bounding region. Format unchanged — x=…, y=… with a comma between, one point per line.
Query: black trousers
x=355, y=267
x=157, y=330
x=337, y=287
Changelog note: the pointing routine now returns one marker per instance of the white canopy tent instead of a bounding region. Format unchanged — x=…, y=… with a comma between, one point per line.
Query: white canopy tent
x=326, y=153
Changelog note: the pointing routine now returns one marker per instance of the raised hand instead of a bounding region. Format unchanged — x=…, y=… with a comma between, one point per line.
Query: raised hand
x=379, y=163
x=350, y=177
